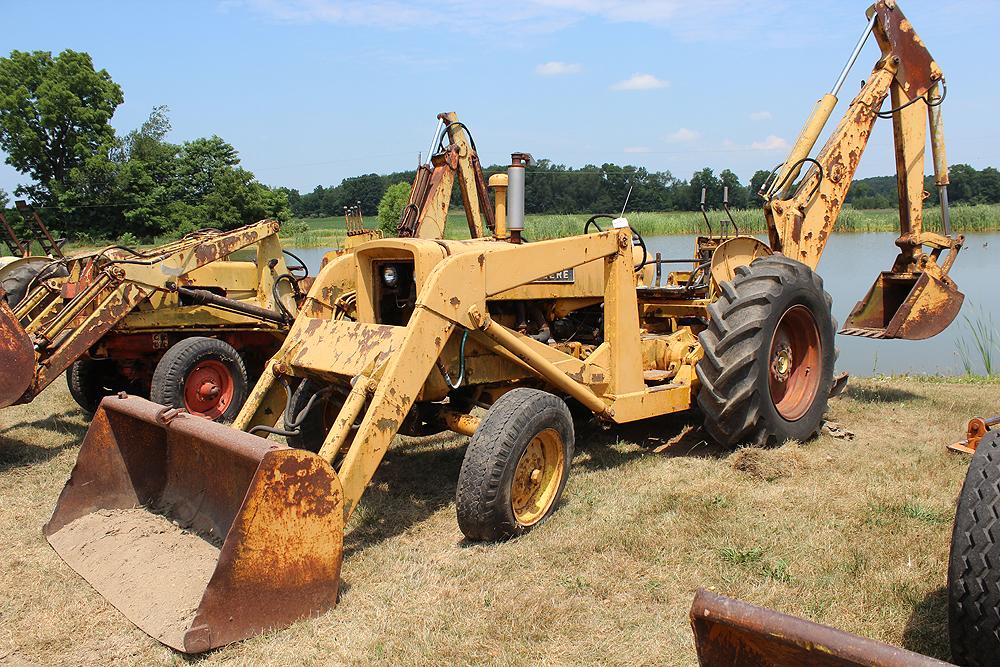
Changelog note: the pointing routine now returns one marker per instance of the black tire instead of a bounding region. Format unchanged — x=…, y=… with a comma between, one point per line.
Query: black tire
x=90, y=380
x=974, y=562
x=317, y=422
x=170, y=378
x=18, y=280
x=736, y=371
x=484, y=494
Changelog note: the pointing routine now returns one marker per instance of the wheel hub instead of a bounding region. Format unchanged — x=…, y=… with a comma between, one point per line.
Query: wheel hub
x=537, y=477
x=209, y=389
x=796, y=355
x=781, y=364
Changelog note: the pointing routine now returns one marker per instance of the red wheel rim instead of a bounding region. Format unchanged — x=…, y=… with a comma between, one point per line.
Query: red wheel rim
x=794, y=363
x=208, y=389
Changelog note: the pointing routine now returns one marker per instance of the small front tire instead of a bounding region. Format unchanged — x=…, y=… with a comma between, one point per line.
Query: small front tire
x=205, y=376
x=90, y=380
x=321, y=416
x=516, y=466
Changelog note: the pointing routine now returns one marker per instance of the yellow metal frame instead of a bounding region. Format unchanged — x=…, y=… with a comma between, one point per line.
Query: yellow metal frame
x=132, y=292
x=631, y=375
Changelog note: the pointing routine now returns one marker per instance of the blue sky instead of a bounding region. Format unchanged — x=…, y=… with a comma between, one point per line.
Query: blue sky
x=312, y=91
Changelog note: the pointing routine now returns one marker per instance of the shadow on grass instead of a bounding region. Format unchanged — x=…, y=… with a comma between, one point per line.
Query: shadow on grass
x=867, y=394
x=673, y=435
x=411, y=484
x=16, y=452
x=415, y=481
x=926, y=631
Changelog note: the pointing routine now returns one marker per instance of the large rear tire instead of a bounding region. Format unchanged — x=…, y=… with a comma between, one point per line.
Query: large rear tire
x=204, y=376
x=769, y=354
x=516, y=465
x=974, y=562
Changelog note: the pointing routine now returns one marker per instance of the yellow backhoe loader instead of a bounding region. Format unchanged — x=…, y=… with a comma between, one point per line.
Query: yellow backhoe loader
x=415, y=336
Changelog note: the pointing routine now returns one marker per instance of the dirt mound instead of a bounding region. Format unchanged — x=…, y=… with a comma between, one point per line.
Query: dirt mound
x=149, y=568
x=768, y=465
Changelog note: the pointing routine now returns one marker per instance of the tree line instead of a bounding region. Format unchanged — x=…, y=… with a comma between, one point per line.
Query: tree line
x=557, y=188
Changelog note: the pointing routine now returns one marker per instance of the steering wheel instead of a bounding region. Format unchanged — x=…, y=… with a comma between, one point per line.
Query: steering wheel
x=593, y=221
x=637, y=239
x=300, y=271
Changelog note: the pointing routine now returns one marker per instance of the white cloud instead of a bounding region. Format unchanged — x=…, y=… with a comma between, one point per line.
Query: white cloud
x=707, y=20
x=637, y=149
x=683, y=136
x=760, y=115
x=640, y=82
x=772, y=143
x=558, y=68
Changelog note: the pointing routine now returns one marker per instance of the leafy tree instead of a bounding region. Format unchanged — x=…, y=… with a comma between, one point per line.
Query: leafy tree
x=756, y=183
x=4, y=199
x=390, y=208
x=199, y=163
x=55, y=113
x=707, y=180
x=738, y=195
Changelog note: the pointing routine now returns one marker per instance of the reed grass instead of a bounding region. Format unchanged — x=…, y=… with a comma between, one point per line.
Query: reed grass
x=981, y=350
x=331, y=231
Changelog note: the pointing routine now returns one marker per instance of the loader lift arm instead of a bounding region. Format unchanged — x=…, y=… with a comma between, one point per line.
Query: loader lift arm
x=916, y=299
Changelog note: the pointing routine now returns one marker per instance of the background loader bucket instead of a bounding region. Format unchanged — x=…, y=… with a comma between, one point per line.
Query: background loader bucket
x=17, y=357
x=198, y=533
x=733, y=633
x=909, y=306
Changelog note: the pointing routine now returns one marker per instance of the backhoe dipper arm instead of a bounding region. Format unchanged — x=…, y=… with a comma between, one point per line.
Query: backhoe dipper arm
x=426, y=212
x=799, y=226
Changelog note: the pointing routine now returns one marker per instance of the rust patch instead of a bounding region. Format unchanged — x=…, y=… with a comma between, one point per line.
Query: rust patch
x=387, y=425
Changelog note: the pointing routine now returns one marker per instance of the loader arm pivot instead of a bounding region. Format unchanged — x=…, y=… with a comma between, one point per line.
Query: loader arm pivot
x=916, y=299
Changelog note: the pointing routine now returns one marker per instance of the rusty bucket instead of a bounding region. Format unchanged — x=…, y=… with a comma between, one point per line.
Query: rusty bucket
x=733, y=633
x=910, y=306
x=199, y=534
x=17, y=357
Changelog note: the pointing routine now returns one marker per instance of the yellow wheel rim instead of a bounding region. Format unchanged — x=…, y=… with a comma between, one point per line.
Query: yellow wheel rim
x=537, y=477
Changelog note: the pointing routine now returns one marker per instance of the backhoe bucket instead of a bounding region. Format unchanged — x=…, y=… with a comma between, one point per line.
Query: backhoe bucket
x=17, y=357
x=911, y=306
x=198, y=533
x=731, y=633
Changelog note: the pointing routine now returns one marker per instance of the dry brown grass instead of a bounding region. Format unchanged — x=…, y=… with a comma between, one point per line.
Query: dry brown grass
x=849, y=533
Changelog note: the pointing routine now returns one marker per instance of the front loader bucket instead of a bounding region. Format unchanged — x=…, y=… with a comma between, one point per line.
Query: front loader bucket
x=198, y=533
x=731, y=633
x=17, y=356
x=911, y=306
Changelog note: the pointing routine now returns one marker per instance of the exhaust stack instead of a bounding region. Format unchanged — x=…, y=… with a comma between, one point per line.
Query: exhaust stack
x=515, y=194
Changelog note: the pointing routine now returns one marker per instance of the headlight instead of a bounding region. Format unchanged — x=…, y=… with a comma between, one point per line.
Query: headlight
x=390, y=276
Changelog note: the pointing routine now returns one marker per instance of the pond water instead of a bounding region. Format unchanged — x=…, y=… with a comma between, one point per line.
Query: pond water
x=849, y=267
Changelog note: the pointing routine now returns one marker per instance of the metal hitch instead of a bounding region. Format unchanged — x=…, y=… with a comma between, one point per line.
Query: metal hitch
x=17, y=357
x=910, y=306
x=199, y=534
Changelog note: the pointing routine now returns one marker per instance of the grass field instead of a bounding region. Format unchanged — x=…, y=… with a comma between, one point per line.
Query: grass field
x=852, y=533
x=325, y=232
